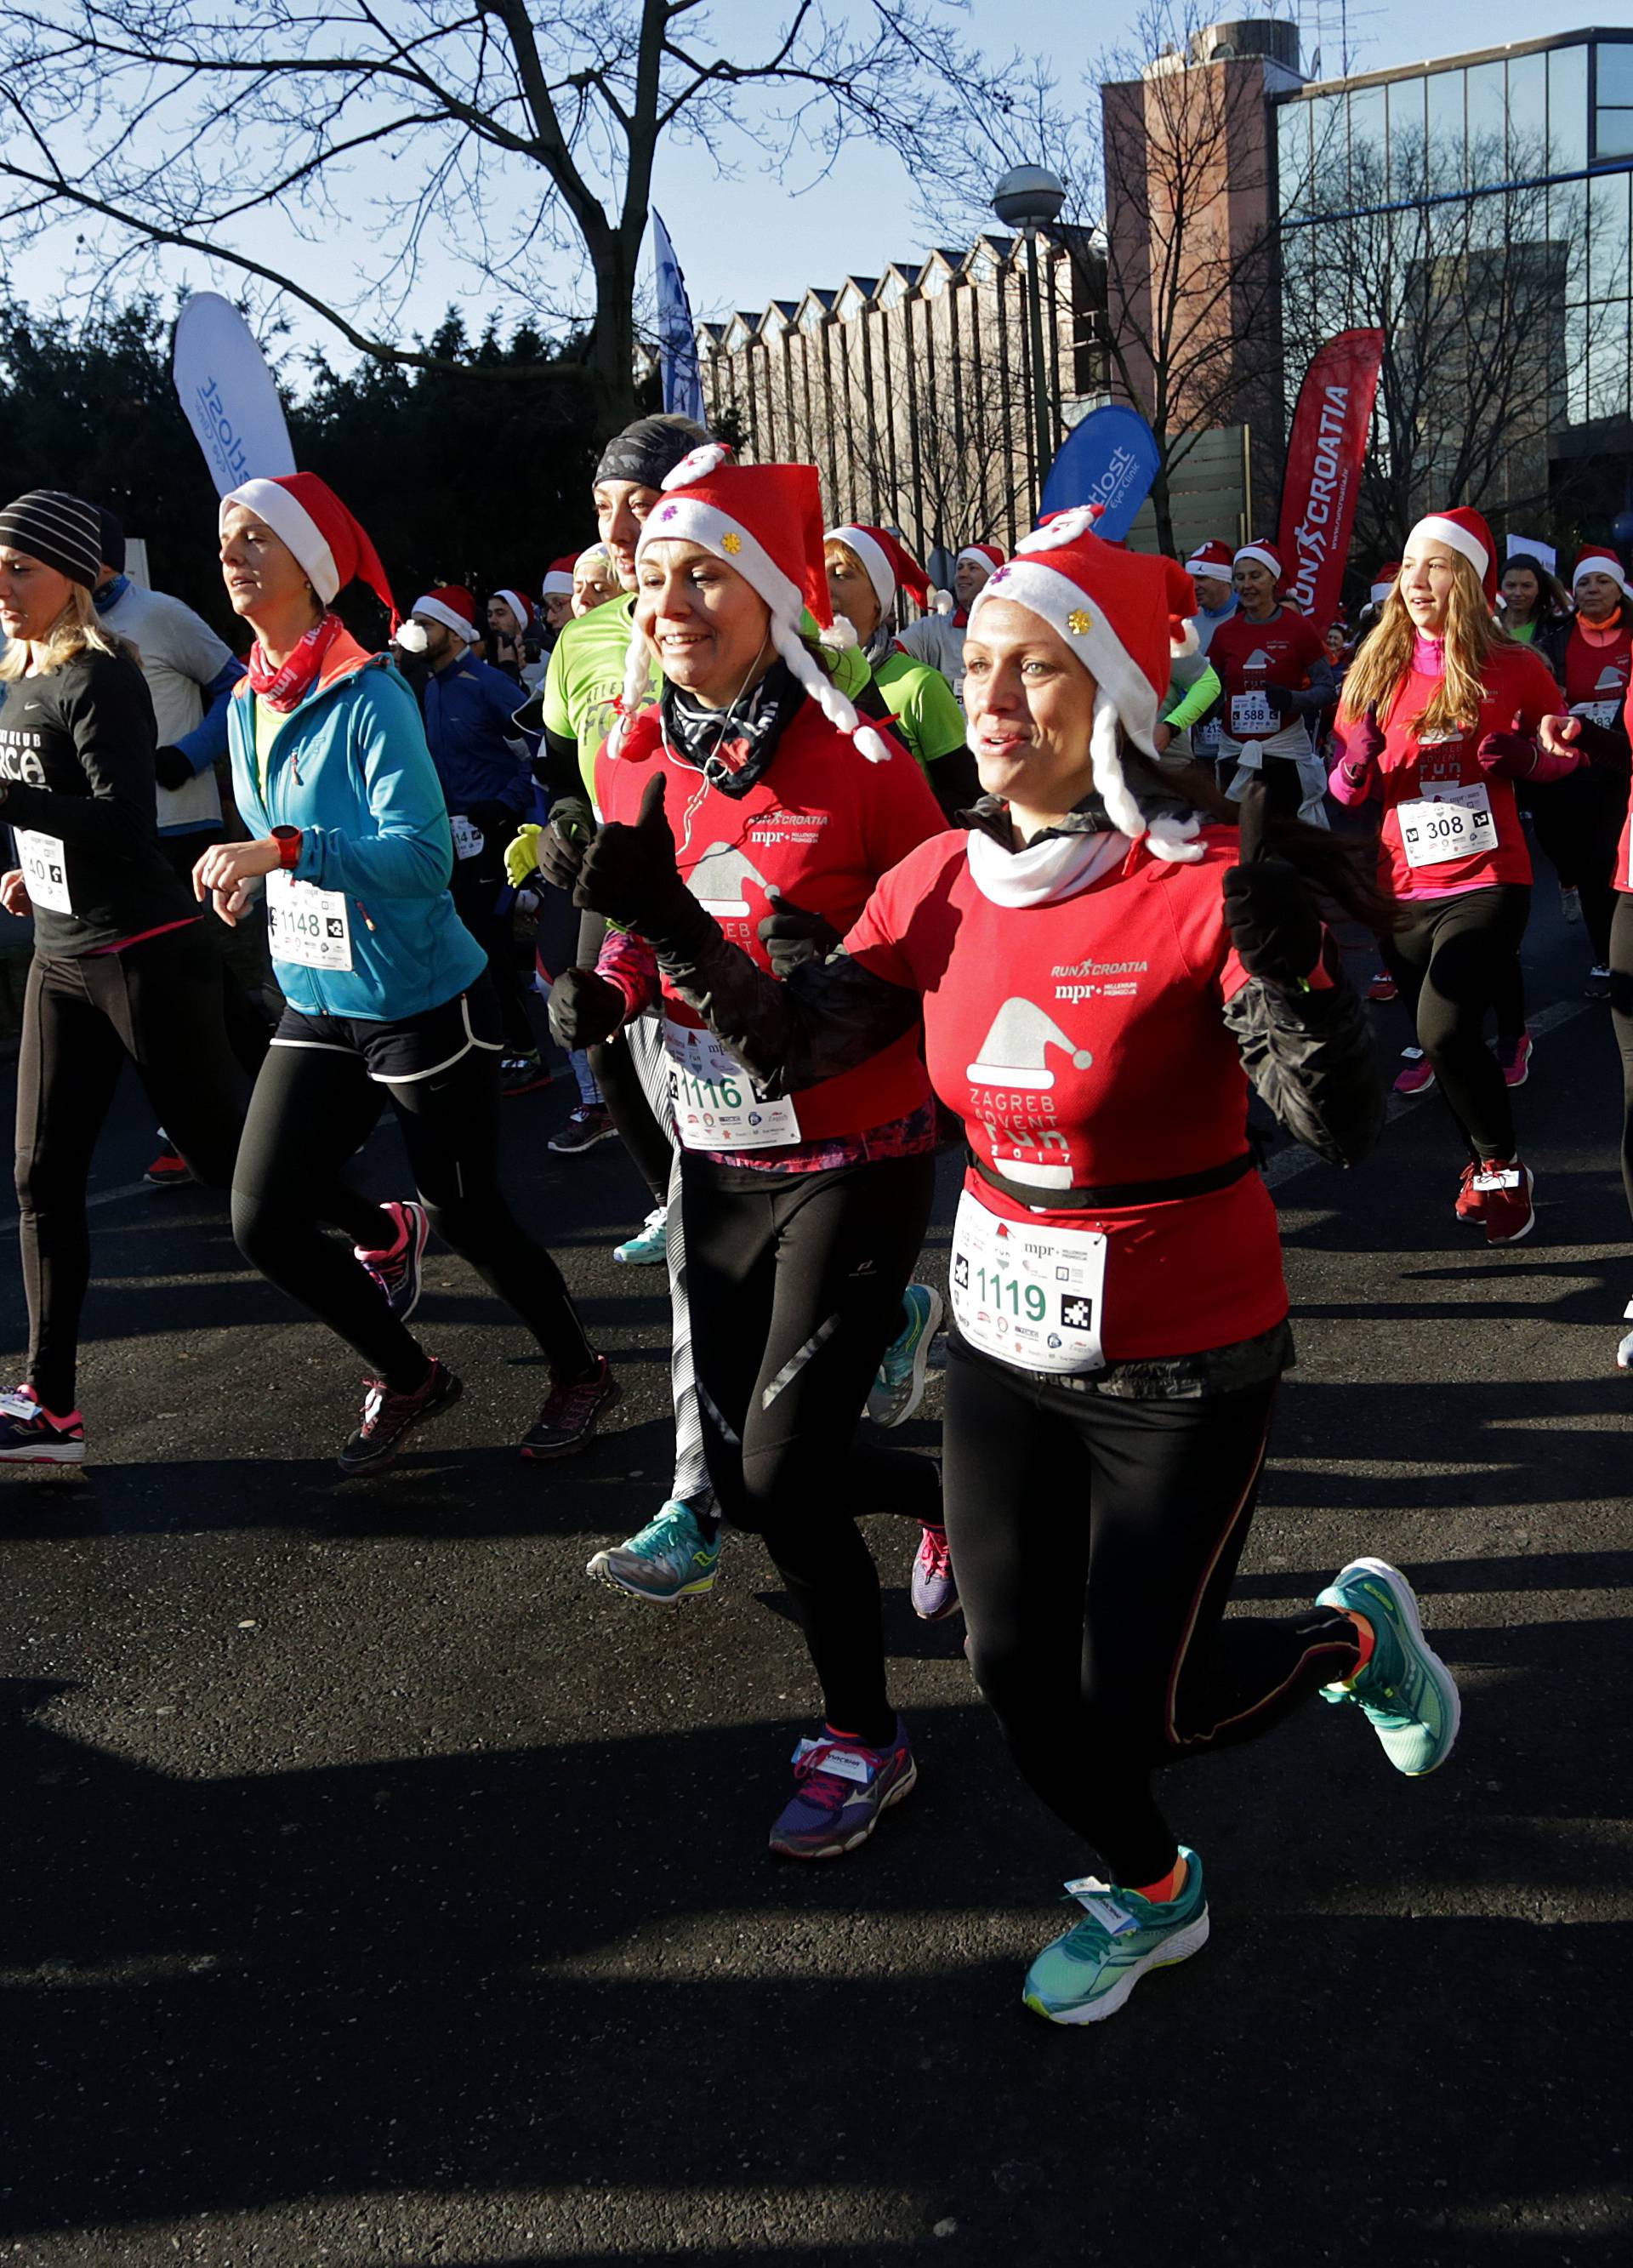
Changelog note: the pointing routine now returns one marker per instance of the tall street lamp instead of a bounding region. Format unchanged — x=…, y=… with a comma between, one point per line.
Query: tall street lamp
x=1028, y=199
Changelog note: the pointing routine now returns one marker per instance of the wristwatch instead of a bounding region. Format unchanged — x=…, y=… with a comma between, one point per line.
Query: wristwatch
x=287, y=840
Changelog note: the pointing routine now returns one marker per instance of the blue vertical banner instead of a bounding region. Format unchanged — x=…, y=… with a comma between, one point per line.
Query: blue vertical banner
x=1110, y=459
x=677, y=338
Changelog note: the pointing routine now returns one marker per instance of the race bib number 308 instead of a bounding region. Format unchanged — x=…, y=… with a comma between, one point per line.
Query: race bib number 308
x=306, y=925
x=1028, y=1295
x=1457, y=822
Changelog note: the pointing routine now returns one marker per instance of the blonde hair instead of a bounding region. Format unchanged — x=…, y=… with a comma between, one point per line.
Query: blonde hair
x=78, y=629
x=1384, y=660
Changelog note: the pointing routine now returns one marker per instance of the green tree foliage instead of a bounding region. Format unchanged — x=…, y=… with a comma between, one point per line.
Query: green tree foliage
x=456, y=480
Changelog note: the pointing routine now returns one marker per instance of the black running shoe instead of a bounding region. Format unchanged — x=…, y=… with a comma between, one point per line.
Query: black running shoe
x=570, y=1415
x=388, y=1417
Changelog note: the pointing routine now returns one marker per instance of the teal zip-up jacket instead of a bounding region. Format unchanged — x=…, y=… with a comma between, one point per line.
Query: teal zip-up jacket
x=349, y=767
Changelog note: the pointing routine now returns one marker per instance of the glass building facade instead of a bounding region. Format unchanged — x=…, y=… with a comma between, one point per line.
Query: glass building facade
x=1512, y=169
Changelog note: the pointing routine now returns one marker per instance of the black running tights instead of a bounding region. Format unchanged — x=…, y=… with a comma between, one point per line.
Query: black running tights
x=795, y=1288
x=160, y=1004
x=1095, y=1540
x=311, y=1108
x=1451, y=962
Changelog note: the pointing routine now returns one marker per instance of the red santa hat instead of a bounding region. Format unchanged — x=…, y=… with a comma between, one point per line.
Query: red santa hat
x=1388, y=575
x=1600, y=559
x=333, y=548
x=519, y=604
x=1126, y=616
x=451, y=604
x=1265, y=553
x=1215, y=558
x=765, y=521
x=1464, y=532
x=989, y=555
x=558, y=578
x=887, y=561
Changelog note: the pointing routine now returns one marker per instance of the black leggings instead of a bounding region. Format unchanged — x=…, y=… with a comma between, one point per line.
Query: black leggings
x=315, y=1102
x=249, y=1027
x=160, y=1004
x=1452, y=962
x=481, y=900
x=1620, y=966
x=795, y=1284
x=1095, y=1540
x=1577, y=821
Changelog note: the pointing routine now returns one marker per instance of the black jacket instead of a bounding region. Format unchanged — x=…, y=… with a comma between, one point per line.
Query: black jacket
x=76, y=768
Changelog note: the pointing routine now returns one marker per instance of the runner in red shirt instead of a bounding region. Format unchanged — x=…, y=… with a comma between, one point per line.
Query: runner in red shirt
x=803, y=1213
x=1577, y=820
x=1272, y=662
x=1602, y=731
x=1097, y=975
x=1439, y=719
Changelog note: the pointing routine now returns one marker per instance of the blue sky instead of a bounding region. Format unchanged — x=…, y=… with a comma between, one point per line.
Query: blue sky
x=743, y=242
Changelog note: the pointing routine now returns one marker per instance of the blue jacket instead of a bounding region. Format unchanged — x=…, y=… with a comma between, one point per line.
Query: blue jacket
x=349, y=767
x=469, y=708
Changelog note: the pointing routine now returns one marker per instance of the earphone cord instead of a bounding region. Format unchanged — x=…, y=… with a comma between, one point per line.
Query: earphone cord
x=709, y=767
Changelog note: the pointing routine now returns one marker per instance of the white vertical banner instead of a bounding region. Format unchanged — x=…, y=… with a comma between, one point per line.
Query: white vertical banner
x=229, y=395
x=677, y=335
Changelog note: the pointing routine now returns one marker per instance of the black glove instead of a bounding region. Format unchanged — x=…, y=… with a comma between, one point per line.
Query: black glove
x=585, y=1009
x=171, y=768
x=630, y=873
x=790, y=936
x=1283, y=702
x=1272, y=918
x=563, y=845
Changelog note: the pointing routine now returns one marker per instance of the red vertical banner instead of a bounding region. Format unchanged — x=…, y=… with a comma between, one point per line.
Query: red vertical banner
x=1325, y=452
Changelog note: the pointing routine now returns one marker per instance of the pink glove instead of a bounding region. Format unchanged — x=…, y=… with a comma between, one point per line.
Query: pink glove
x=1508, y=755
x=1360, y=746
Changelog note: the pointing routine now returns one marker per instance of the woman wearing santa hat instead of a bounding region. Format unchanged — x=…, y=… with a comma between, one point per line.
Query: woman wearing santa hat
x=866, y=568
x=1097, y=975
x=803, y=1216
x=1272, y=662
x=389, y=996
x=1579, y=821
x=1439, y=722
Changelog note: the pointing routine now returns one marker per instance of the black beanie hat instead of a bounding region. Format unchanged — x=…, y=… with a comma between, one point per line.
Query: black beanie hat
x=113, y=539
x=652, y=447
x=60, y=531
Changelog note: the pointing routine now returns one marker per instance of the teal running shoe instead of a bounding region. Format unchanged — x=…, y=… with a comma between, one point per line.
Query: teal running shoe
x=1089, y=1973
x=899, y=1388
x=650, y=1244
x=669, y=1560
x=1406, y=1692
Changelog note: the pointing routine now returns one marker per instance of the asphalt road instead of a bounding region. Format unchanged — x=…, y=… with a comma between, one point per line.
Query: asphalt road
x=379, y=1890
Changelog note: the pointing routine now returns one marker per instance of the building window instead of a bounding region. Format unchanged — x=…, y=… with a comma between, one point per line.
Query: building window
x=1567, y=108
x=1447, y=163
x=1613, y=99
x=1488, y=120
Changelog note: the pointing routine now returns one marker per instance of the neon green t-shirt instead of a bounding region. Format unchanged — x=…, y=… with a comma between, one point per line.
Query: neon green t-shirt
x=921, y=702
x=587, y=676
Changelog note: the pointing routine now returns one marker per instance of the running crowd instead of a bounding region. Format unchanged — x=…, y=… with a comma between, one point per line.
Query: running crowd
x=1045, y=873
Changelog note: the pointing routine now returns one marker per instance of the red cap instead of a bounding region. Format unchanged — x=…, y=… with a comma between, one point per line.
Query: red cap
x=890, y=566
x=1465, y=531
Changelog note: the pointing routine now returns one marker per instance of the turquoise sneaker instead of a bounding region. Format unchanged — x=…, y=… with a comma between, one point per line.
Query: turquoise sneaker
x=1089, y=1973
x=899, y=1388
x=1406, y=1692
x=650, y=1244
x=670, y=1559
